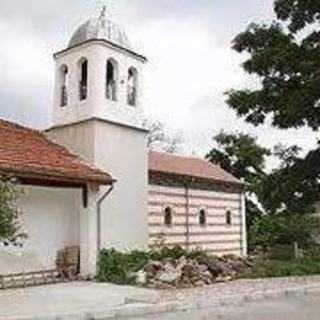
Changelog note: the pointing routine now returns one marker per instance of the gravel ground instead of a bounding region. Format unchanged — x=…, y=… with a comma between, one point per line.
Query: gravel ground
x=243, y=287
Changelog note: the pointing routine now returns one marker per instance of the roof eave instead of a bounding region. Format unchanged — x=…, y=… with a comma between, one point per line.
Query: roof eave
x=45, y=178
x=137, y=55
x=218, y=181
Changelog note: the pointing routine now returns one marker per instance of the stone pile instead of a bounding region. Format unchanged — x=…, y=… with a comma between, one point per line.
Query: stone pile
x=189, y=273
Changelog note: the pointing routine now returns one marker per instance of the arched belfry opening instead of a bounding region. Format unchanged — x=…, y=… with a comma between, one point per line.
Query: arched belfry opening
x=83, y=81
x=64, y=86
x=111, y=79
x=132, y=87
x=102, y=77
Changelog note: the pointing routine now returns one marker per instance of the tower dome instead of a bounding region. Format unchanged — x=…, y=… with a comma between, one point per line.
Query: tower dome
x=100, y=28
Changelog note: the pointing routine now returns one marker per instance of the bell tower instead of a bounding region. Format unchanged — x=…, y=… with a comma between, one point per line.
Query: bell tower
x=98, y=75
x=97, y=113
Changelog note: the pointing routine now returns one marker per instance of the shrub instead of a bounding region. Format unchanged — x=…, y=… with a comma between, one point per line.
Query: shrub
x=283, y=229
x=118, y=268
x=282, y=268
x=9, y=213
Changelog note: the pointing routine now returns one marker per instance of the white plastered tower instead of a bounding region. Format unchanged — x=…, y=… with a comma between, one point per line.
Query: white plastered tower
x=97, y=113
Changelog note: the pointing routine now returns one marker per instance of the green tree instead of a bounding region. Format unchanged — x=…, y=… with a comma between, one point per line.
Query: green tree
x=241, y=155
x=10, y=231
x=285, y=56
x=294, y=186
x=291, y=189
x=283, y=229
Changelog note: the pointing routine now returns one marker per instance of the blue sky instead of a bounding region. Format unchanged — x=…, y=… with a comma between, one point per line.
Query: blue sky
x=188, y=44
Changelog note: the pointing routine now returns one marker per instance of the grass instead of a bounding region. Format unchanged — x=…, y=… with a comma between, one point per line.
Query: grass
x=282, y=268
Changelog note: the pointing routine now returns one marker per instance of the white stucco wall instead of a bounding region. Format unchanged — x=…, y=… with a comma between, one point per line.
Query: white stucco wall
x=121, y=151
x=96, y=105
x=51, y=219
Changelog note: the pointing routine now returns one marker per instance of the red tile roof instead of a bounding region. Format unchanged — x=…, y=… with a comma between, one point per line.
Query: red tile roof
x=28, y=153
x=188, y=166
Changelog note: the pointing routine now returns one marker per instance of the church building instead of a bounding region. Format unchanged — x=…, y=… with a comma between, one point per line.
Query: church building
x=90, y=181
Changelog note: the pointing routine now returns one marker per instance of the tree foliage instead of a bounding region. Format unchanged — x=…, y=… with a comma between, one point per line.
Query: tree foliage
x=10, y=231
x=241, y=155
x=289, y=190
x=287, y=62
x=283, y=229
x=285, y=58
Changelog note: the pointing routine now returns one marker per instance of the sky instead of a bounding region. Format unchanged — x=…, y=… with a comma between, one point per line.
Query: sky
x=188, y=45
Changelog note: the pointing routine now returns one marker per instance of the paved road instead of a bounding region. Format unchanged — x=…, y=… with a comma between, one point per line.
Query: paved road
x=302, y=308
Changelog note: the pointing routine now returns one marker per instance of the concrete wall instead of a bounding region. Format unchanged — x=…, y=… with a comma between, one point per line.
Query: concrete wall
x=51, y=219
x=216, y=237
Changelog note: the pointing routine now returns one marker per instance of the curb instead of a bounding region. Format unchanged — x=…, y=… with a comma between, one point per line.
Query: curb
x=141, y=307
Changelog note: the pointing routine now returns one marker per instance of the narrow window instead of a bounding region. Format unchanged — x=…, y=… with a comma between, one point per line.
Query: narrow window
x=111, y=83
x=229, y=218
x=132, y=87
x=63, y=89
x=168, y=217
x=202, y=218
x=83, y=84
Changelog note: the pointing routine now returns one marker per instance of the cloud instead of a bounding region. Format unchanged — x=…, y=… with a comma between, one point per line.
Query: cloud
x=190, y=65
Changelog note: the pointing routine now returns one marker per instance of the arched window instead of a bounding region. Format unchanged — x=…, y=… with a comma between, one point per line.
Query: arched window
x=132, y=87
x=83, y=82
x=63, y=89
x=111, y=81
x=203, y=218
x=168, y=217
x=228, y=218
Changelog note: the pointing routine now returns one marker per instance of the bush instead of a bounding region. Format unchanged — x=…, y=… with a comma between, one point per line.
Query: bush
x=282, y=268
x=9, y=213
x=283, y=229
x=118, y=268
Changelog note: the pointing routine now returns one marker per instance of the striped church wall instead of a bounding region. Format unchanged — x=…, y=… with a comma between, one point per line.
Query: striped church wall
x=216, y=237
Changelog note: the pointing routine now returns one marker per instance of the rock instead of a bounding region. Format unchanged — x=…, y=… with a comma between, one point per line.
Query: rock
x=200, y=283
x=202, y=268
x=181, y=263
x=188, y=273
x=224, y=279
x=141, y=278
x=153, y=267
x=236, y=265
x=169, y=276
x=215, y=267
x=189, y=270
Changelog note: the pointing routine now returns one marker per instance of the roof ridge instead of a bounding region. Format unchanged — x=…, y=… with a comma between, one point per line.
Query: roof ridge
x=191, y=157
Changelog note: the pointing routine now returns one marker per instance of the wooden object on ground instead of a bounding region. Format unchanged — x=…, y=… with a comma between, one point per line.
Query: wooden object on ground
x=68, y=262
